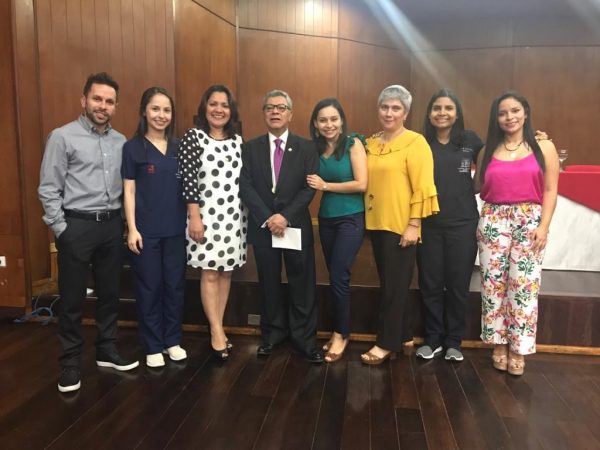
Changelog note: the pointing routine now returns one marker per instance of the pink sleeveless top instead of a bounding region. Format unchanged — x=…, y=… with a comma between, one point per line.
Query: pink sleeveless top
x=510, y=182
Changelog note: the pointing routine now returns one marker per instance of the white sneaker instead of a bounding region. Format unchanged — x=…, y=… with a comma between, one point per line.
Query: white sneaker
x=176, y=353
x=155, y=360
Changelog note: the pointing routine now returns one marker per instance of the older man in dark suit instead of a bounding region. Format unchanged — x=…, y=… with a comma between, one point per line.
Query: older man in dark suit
x=273, y=187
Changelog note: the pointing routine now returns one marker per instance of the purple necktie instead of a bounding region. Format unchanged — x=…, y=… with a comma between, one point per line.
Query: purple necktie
x=277, y=158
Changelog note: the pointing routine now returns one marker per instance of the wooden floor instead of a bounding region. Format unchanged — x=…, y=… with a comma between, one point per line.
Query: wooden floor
x=284, y=403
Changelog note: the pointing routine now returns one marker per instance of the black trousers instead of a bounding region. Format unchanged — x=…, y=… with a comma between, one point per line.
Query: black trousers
x=395, y=267
x=445, y=260
x=100, y=244
x=341, y=238
x=300, y=319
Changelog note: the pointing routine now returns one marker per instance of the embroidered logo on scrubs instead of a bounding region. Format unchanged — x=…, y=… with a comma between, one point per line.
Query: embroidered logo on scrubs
x=151, y=168
x=467, y=159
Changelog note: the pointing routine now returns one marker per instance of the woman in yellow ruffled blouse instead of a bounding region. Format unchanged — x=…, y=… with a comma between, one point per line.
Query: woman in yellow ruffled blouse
x=399, y=194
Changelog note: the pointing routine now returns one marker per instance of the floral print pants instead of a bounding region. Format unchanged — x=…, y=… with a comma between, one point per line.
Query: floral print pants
x=510, y=275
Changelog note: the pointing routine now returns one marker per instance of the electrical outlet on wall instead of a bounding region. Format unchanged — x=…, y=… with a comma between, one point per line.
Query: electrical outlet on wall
x=2, y=261
x=253, y=319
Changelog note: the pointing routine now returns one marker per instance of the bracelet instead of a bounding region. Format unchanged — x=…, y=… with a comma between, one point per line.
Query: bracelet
x=413, y=225
x=324, y=186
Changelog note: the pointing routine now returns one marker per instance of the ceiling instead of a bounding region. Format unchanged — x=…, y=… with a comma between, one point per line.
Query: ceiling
x=443, y=10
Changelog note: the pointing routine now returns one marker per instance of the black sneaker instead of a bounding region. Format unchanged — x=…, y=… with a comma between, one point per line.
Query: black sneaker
x=70, y=379
x=115, y=361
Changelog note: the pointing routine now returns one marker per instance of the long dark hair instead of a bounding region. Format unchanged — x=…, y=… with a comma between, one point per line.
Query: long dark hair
x=495, y=135
x=457, y=130
x=142, y=127
x=319, y=140
x=200, y=121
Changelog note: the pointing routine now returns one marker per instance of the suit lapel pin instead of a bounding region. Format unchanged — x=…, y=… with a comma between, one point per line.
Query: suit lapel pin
x=290, y=149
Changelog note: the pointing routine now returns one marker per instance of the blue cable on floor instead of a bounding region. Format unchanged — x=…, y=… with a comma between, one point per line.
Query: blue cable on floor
x=38, y=312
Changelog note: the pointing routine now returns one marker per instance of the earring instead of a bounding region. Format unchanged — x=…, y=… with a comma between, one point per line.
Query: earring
x=317, y=133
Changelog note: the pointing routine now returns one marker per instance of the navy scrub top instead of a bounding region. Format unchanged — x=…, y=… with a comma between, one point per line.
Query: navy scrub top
x=159, y=207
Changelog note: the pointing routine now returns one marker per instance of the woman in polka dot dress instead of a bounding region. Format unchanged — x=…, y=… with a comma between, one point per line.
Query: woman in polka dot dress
x=210, y=159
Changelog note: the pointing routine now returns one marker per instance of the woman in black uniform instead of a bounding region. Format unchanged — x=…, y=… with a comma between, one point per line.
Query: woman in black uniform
x=449, y=245
x=155, y=214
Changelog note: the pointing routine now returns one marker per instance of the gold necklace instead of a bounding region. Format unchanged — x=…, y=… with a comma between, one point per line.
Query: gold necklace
x=512, y=151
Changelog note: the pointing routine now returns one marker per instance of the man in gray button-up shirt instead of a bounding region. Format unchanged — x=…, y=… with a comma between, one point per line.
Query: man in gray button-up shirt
x=80, y=190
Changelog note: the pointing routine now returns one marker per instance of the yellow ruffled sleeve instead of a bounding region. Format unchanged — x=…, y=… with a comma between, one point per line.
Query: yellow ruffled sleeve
x=424, y=201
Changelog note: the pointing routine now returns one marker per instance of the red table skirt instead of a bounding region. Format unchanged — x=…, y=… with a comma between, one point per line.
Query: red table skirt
x=581, y=187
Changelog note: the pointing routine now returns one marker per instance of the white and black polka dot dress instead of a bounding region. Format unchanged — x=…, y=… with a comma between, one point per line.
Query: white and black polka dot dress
x=211, y=178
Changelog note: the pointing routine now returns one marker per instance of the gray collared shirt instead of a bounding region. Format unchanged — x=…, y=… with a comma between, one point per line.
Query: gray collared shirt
x=81, y=170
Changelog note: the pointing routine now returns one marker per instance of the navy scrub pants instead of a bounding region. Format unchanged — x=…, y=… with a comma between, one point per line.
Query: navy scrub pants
x=341, y=238
x=159, y=272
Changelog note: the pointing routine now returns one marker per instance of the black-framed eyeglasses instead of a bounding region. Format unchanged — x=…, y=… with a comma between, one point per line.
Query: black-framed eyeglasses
x=280, y=108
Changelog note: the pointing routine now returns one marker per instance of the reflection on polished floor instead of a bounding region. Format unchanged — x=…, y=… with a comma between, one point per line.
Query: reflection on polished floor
x=285, y=403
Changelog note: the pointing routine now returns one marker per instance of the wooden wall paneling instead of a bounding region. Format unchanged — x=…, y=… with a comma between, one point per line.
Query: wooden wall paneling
x=201, y=58
x=305, y=68
x=567, y=103
x=139, y=55
x=150, y=39
x=12, y=277
x=314, y=18
x=225, y=9
x=358, y=22
x=325, y=16
x=117, y=38
x=130, y=40
x=559, y=30
x=128, y=52
x=475, y=75
x=37, y=261
x=462, y=34
x=102, y=36
x=43, y=22
x=314, y=77
x=364, y=70
x=13, y=292
x=247, y=13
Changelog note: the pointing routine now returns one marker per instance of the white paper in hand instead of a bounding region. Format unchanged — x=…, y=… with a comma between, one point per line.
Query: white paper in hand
x=292, y=239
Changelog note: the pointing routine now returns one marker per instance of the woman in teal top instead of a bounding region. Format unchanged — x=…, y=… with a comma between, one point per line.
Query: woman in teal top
x=343, y=179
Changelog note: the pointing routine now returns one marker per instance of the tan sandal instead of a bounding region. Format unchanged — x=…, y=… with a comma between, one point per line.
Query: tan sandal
x=333, y=357
x=516, y=366
x=374, y=360
x=500, y=362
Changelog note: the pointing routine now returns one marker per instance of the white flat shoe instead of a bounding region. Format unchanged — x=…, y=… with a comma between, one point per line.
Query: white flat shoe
x=176, y=353
x=155, y=360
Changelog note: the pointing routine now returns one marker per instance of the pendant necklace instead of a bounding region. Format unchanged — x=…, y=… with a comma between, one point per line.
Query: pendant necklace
x=512, y=151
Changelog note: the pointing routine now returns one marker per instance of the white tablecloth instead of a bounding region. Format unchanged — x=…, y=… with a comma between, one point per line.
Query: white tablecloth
x=574, y=239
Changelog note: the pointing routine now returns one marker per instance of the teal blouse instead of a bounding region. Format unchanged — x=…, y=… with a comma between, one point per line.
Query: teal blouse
x=335, y=204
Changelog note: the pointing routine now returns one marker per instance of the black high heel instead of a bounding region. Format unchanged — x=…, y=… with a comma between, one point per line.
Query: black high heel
x=220, y=355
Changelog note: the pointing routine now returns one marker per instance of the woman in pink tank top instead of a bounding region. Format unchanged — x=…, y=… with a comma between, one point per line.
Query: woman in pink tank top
x=518, y=180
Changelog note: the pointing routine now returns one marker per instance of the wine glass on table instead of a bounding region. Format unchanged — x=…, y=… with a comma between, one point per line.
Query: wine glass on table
x=563, y=154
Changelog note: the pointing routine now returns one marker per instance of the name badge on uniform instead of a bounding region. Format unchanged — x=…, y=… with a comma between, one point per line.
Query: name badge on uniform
x=151, y=168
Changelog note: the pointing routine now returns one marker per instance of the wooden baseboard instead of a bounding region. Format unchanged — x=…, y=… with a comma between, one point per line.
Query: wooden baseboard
x=251, y=331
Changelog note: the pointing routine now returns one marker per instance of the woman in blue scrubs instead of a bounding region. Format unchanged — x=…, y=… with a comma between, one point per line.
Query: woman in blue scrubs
x=156, y=218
